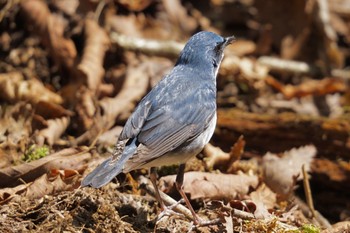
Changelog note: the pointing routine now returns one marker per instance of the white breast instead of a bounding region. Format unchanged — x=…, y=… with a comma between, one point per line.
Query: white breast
x=186, y=152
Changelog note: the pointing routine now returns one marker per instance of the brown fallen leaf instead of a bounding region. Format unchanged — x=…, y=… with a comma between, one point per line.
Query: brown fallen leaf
x=235, y=153
x=50, y=183
x=135, y=5
x=14, y=88
x=69, y=7
x=134, y=88
x=218, y=159
x=15, y=132
x=264, y=199
x=214, y=156
x=85, y=107
x=309, y=87
x=339, y=227
x=72, y=158
x=110, y=137
x=179, y=19
x=50, y=110
x=212, y=186
x=129, y=25
x=55, y=128
x=97, y=42
x=50, y=28
x=53, y=181
x=241, y=48
x=280, y=173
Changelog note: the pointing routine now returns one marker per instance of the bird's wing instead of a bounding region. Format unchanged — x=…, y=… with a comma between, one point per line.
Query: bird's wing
x=164, y=132
x=135, y=122
x=174, y=112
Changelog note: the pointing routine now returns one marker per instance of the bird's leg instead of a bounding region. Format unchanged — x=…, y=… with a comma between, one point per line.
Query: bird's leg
x=153, y=177
x=178, y=184
x=166, y=211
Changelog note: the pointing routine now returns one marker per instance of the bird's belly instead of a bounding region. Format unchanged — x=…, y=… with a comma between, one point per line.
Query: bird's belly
x=184, y=152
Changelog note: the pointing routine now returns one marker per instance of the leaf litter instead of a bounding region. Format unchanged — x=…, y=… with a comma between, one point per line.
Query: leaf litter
x=71, y=73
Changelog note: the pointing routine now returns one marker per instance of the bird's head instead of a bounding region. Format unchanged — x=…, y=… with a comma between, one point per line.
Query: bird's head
x=204, y=49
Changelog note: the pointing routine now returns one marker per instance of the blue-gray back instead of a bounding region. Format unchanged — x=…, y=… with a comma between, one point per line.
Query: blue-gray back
x=175, y=111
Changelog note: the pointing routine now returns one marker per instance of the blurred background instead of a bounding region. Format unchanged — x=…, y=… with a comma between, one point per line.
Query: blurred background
x=71, y=73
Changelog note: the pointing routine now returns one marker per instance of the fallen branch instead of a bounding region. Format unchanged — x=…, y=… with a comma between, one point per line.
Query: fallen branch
x=173, y=48
x=284, y=131
x=282, y=65
x=147, y=46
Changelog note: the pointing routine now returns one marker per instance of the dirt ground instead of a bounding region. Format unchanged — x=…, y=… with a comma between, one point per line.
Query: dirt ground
x=72, y=72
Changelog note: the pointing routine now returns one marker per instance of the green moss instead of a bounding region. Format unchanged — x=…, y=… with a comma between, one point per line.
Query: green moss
x=309, y=228
x=35, y=153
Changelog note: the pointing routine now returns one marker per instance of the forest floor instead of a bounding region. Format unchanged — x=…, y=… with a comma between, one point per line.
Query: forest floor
x=72, y=72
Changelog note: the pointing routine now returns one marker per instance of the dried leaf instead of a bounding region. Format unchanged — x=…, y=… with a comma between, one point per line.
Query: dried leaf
x=309, y=87
x=15, y=132
x=109, y=137
x=50, y=110
x=85, y=101
x=69, y=7
x=334, y=171
x=14, y=88
x=126, y=25
x=134, y=88
x=96, y=44
x=278, y=16
x=241, y=48
x=248, y=68
x=56, y=127
x=212, y=186
x=218, y=159
x=65, y=159
x=51, y=29
x=244, y=205
x=135, y=5
x=214, y=156
x=178, y=16
x=236, y=153
x=50, y=183
x=264, y=199
x=339, y=227
x=280, y=173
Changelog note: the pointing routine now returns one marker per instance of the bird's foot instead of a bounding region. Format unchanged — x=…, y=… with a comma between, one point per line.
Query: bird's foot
x=168, y=211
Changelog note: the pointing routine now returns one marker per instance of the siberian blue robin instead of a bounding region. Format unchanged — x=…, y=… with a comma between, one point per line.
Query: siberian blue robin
x=175, y=120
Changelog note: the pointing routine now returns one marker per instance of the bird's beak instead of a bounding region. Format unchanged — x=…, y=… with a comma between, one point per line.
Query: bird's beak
x=229, y=40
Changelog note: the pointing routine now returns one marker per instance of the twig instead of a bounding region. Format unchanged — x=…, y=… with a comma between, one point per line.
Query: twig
x=281, y=65
x=144, y=184
x=99, y=10
x=322, y=221
x=308, y=193
x=242, y=214
x=172, y=49
x=9, y=4
x=147, y=46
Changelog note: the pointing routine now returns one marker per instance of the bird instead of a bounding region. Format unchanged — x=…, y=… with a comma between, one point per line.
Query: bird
x=174, y=121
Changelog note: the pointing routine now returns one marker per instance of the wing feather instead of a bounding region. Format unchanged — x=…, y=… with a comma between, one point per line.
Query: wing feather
x=169, y=117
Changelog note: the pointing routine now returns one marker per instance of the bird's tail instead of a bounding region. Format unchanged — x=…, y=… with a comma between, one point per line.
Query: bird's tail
x=110, y=168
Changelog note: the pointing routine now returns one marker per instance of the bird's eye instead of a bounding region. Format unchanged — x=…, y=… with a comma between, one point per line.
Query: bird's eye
x=214, y=62
x=218, y=47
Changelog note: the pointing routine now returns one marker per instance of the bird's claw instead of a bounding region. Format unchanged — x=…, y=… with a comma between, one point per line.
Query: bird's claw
x=168, y=211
